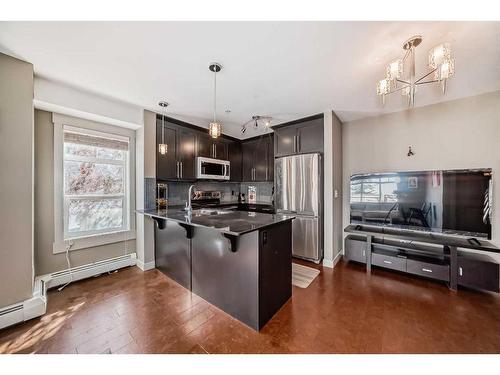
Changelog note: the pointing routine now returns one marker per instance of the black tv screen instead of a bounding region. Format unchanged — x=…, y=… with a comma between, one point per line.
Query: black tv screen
x=456, y=202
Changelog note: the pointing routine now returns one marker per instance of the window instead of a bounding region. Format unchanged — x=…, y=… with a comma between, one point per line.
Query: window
x=93, y=183
x=375, y=190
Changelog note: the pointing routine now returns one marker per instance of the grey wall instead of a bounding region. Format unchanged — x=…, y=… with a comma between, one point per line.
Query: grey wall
x=45, y=260
x=458, y=134
x=16, y=180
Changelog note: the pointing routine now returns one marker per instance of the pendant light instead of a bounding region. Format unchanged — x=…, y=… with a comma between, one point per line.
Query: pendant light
x=214, y=128
x=163, y=147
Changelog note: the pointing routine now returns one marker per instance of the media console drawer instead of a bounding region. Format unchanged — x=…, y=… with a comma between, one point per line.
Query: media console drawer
x=355, y=250
x=387, y=261
x=431, y=270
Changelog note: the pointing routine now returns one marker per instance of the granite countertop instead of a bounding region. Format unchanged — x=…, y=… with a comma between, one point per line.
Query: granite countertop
x=233, y=222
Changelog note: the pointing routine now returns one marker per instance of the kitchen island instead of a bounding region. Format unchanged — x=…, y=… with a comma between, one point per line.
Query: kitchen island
x=239, y=261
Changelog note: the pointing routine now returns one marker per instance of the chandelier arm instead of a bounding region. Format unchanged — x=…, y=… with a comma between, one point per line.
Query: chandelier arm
x=428, y=74
x=425, y=82
x=398, y=89
x=401, y=81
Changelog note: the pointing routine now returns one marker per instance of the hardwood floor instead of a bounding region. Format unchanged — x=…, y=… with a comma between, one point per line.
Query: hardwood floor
x=344, y=310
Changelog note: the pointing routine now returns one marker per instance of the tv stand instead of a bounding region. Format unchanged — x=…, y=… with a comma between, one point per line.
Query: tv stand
x=426, y=254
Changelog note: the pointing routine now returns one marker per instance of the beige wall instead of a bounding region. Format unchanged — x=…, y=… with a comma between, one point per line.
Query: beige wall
x=16, y=180
x=458, y=134
x=45, y=260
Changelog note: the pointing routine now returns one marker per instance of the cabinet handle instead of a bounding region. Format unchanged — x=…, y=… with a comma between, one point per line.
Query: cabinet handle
x=387, y=262
x=298, y=143
x=177, y=169
x=427, y=270
x=294, y=143
x=460, y=271
x=267, y=172
x=181, y=168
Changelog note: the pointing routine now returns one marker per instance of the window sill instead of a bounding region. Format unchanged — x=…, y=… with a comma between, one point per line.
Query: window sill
x=93, y=241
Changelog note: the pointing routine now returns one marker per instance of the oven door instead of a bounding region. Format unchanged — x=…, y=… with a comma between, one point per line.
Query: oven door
x=212, y=169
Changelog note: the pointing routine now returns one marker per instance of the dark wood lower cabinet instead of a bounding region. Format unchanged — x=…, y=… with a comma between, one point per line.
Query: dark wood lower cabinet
x=173, y=252
x=250, y=284
x=478, y=272
x=275, y=270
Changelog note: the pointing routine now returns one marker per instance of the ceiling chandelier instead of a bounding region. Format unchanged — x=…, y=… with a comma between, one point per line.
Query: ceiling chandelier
x=264, y=120
x=400, y=74
x=214, y=128
x=163, y=147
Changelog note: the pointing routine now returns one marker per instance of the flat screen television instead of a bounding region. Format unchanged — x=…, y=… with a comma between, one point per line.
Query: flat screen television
x=451, y=202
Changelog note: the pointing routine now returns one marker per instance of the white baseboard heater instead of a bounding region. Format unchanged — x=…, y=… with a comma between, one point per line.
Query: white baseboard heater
x=37, y=305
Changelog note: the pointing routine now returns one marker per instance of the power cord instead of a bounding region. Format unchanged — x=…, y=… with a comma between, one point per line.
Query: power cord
x=68, y=247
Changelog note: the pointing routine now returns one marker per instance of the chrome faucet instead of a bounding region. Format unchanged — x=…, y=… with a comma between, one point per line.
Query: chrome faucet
x=188, y=207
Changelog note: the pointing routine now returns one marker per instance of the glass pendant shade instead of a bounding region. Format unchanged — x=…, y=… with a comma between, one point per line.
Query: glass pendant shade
x=214, y=129
x=162, y=148
x=395, y=70
x=439, y=55
x=383, y=87
x=445, y=70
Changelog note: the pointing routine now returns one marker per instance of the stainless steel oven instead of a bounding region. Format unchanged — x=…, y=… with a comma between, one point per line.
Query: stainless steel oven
x=212, y=169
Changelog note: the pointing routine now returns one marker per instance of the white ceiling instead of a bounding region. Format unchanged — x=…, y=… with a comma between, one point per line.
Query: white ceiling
x=283, y=69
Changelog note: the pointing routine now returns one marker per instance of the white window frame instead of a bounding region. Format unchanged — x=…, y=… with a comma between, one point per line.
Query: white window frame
x=95, y=239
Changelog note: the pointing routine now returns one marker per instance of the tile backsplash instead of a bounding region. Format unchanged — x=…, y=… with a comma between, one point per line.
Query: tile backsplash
x=177, y=191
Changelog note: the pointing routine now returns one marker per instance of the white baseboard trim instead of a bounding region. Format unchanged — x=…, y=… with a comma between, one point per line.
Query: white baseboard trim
x=331, y=263
x=145, y=266
x=37, y=305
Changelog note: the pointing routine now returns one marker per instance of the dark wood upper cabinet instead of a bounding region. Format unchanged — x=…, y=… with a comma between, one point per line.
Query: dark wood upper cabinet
x=258, y=159
x=187, y=154
x=221, y=150
x=235, y=158
x=247, y=151
x=285, y=141
x=205, y=147
x=270, y=159
x=300, y=137
x=166, y=165
x=209, y=147
x=179, y=163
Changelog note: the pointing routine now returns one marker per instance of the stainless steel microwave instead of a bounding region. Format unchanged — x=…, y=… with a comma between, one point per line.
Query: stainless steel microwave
x=212, y=169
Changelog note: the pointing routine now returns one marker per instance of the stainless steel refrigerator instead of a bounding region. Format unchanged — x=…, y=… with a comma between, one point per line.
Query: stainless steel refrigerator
x=298, y=184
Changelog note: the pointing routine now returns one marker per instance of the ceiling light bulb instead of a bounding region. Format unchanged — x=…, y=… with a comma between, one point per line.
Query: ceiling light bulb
x=214, y=129
x=395, y=70
x=383, y=87
x=439, y=54
x=243, y=129
x=267, y=123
